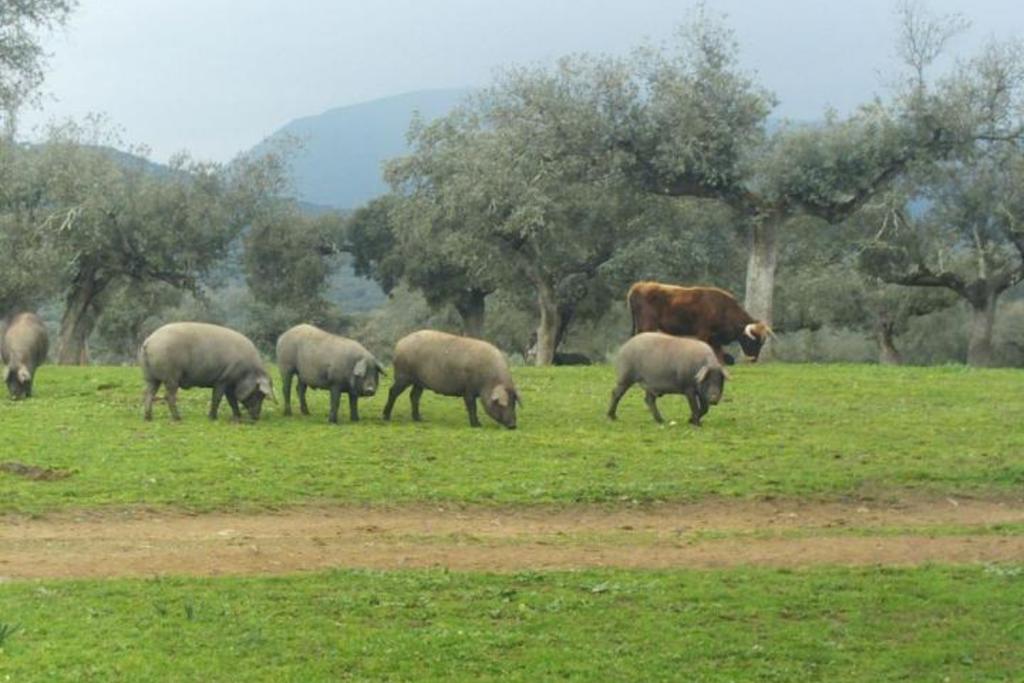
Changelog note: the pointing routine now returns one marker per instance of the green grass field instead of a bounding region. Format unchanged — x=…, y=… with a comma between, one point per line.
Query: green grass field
x=928, y=624
x=825, y=431
x=796, y=432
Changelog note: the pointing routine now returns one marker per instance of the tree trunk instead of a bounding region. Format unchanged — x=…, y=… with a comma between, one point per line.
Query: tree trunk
x=80, y=313
x=550, y=321
x=472, y=307
x=764, y=255
x=983, y=317
x=888, y=354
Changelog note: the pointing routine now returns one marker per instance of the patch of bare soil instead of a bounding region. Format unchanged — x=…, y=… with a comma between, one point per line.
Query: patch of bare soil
x=702, y=535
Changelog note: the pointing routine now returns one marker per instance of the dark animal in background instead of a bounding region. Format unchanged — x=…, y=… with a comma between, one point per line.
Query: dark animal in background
x=454, y=366
x=665, y=364
x=186, y=354
x=23, y=348
x=560, y=357
x=322, y=360
x=710, y=314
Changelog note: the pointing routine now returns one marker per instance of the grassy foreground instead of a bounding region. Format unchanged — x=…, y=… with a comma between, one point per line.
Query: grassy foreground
x=785, y=430
x=933, y=623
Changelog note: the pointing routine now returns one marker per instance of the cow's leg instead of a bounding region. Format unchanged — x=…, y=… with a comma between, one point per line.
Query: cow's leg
x=353, y=406
x=617, y=393
x=470, y=401
x=335, y=400
x=171, y=394
x=301, y=390
x=286, y=381
x=695, y=407
x=414, y=399
x=400, y=385
x=218, y=394
x=652, y=405
x=152, y=386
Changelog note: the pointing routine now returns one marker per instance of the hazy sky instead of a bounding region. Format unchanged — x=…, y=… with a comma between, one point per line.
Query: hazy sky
x=216, y=76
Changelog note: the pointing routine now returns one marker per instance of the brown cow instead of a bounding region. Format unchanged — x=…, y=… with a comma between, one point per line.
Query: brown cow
x=710, y=314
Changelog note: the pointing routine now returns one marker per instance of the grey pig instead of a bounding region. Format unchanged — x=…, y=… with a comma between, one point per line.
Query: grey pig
x=23, y=348
x=184, y=355
x=454, y=366
x=322, y=360
x=665, y=364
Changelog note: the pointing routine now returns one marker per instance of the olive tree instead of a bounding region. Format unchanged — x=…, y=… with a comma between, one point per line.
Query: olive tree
x=113, y=217
x=22, y=58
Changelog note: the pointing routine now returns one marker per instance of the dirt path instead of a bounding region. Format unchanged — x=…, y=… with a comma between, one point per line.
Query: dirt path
x=704, y=535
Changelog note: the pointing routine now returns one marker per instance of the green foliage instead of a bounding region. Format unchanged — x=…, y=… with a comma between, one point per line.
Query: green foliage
x=22, y=59
x=748, y=624
x=783, y=430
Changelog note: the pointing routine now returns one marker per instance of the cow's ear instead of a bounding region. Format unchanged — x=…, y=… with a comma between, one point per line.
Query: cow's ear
x=702, y=373
x=725, y=375
x=360, y=369
x=24, y=376
x=380, y=369
x=7, y=372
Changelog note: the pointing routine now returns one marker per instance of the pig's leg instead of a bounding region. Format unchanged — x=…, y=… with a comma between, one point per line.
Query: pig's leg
x=302, y=386
x=286, y=380
x=233, y=402
x=353, y=406
x=652, y=405
x=218, y=394
x=396, y=390
x=620, y=389
x=171, y=394
x=414, y=398
x=470, y=400
x=335, y=400
x=147, y=402
x=695, y=408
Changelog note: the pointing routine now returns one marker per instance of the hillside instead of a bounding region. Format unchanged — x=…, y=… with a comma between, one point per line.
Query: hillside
x=342, y=149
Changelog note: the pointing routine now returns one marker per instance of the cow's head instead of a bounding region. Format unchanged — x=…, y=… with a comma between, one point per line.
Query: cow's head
x=753, y=338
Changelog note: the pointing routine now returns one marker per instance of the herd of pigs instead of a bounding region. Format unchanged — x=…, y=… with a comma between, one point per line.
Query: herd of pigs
x=182, y=355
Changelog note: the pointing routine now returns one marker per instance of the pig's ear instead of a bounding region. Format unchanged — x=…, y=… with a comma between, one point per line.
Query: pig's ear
x=500, y=396
x=360, y=369
x=24, y=375
x=701, y=374
x=267, y=388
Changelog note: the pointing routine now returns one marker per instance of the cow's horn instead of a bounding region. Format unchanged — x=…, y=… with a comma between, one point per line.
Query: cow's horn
x=749, y=331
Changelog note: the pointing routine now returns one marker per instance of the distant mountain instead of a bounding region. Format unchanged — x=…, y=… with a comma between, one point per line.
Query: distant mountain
x=339, y=164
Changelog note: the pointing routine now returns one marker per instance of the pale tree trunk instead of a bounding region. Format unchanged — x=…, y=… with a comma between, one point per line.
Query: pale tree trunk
x=979, y=344
x=550, y=321
x=888, y=354
x=761, y=263
x=80, y=312
x=472, y=308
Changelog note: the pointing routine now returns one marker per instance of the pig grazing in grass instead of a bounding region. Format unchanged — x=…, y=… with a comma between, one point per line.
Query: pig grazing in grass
x=23, y=348
x=454, y=366
x=665, y=364
x=184, y=355
x=322, y=360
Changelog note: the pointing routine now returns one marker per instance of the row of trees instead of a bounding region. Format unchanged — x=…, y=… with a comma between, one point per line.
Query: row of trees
x=550, y=192
x=563, y=184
